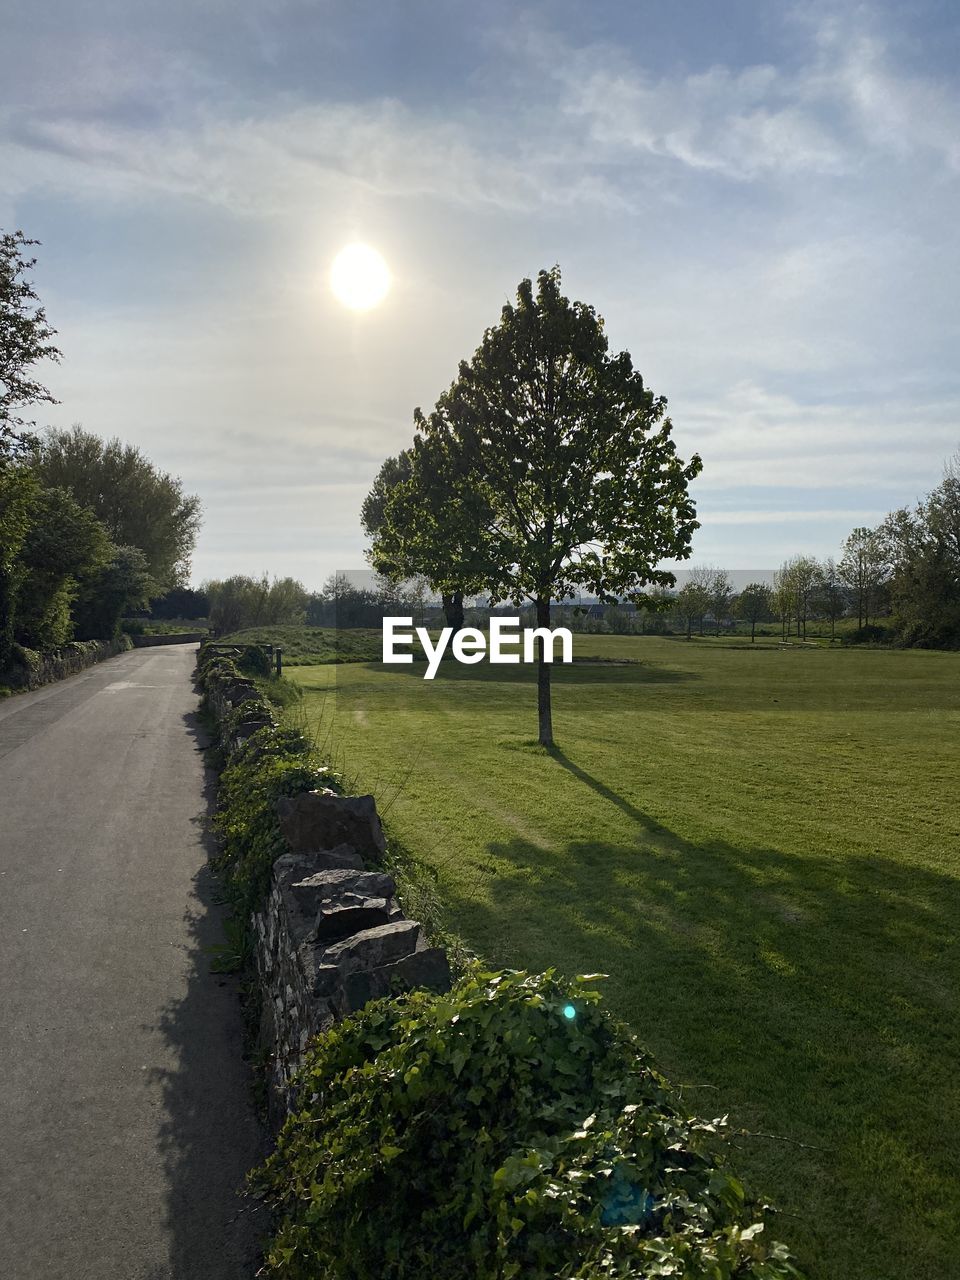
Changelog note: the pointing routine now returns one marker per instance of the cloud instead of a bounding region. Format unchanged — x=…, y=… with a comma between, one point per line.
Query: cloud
x=734, y=124
x=895, y=112
x=559, y=125
x=774, y=241
x=751, y=436
x=288, y=158
x=846, y=101
x=785, y=516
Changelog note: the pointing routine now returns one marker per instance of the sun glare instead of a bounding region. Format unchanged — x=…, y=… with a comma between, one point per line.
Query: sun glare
x=360, y=278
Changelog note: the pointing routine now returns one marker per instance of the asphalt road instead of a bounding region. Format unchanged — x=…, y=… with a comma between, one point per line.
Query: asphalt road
x=125, y=1118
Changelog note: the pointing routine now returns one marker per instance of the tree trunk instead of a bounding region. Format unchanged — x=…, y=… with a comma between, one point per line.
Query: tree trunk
x=753, y=631
x=544, y=709
x=453, y=610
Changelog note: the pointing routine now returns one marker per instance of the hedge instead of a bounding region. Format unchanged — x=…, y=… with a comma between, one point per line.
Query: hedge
x=511, y=1128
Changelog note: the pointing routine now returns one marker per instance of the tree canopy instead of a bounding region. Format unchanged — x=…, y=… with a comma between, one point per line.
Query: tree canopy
x=241, y=601
x=547, y=468
x=922, y=547
x=754, y=604
x=25, y=339
x=417, y=482
x=65, y=546
x=138, y=504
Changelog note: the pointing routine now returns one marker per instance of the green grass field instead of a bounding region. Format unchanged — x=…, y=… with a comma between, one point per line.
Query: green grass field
x=310, y=645
x=761, y=847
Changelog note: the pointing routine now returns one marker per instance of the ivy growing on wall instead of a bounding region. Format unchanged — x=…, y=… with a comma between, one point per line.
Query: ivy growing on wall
x=510, y=1128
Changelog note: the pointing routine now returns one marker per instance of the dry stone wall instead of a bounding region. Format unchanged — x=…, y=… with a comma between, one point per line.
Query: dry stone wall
x=330, y=935
x=32, y=669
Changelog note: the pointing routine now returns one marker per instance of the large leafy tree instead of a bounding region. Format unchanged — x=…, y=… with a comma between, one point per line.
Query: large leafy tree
x=118, y=586
x=558, y=465
x=138, y=504
x=65, y=546
x=25, y=339
x=393, y=471
x=18, y=487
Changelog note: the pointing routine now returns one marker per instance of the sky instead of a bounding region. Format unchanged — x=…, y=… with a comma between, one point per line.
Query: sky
x=760, y=199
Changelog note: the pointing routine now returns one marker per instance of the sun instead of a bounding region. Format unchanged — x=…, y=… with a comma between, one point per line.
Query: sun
x=359, y=277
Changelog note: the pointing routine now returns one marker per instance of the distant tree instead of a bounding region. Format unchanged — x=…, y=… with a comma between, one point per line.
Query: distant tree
x=239, y=602
x=430, y=523
x=286, y=602
x=829, y=594
x=754, y=604
x=864, y=568
x=940, y=511
x=703, y=577
x=653, y=610
x=389, y=556
x=139, y=505
x=783, y=599
x=417, y=596
x=25, y=340
x=721, y=594
x=923, y=547
x=690, y=605
x=800, y=576
x=345, y=604
x=120, y=585
x=65, y=546
x=559, y=469
x=180, y=602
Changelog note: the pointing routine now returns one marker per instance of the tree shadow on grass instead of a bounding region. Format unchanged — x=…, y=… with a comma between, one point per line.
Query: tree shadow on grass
x=816, y=997
x=209, y=1133
x=580, y=671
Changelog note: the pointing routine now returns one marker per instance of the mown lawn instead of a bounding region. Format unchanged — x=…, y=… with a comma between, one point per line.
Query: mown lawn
x=761, y=847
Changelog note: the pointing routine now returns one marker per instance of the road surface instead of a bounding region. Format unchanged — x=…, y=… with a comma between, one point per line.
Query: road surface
x=125, y=1117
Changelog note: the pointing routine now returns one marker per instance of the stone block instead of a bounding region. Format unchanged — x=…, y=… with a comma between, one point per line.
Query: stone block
x=329, y=905
x=338, y=920
x=425, y=968
x=323, y=820
x=300, y=866
x=375, y=947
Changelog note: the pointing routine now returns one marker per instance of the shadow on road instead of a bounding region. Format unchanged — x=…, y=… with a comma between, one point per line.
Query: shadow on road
x=209, y=1134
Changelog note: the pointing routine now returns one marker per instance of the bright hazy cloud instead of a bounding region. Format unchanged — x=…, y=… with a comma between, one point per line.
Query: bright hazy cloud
x=760, y=199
